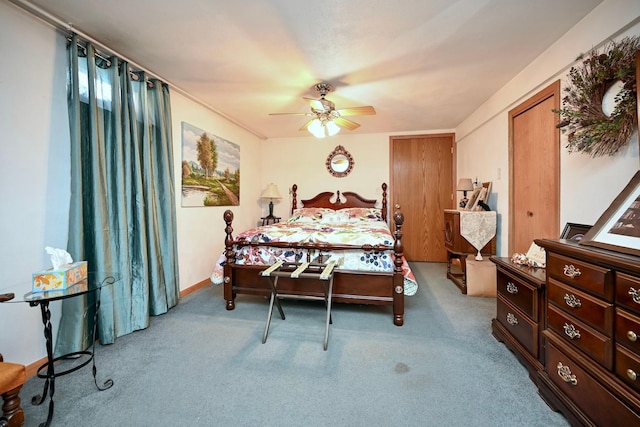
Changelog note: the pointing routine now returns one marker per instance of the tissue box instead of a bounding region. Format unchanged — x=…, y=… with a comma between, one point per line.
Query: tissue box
x=60, y=278
x=80, y=286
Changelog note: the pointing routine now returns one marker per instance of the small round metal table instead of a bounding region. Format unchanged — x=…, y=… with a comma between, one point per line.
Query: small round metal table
x=92, y=284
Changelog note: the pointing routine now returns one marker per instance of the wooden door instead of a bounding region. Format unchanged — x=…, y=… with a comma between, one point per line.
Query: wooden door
x=534, y=157
x=422, y=175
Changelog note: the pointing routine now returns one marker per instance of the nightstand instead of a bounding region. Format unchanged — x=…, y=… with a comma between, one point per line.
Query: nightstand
x=459, y=248
x=266, y=220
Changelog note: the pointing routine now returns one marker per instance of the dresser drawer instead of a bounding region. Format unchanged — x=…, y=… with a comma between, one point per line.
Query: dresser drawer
x=589, y=277
x=628, y=367
x=628, y=330
x=518, y=325
x=586, y=392
x=594, y=344
x=587, y=308
x=628, y=291
x=519, y=293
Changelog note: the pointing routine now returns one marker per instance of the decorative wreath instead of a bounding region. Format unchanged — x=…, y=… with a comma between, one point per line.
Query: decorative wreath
x=590, y=130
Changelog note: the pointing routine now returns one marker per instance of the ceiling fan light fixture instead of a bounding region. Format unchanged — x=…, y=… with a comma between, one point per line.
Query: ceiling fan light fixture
x=332, y=128
x=321, y=128
x=316, y=128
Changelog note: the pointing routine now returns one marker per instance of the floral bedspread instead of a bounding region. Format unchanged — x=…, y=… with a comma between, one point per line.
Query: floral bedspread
x=347, y=227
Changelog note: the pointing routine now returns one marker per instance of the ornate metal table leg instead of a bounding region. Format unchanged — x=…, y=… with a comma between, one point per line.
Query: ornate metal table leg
x=109, y=382
x=50, y=378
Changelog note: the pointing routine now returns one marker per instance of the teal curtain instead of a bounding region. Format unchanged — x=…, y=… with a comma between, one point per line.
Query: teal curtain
x=122, y=217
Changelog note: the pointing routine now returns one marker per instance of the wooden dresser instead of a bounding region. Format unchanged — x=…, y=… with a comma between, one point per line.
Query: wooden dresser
x=591, y=329
x=520, y=312
x=459, y=248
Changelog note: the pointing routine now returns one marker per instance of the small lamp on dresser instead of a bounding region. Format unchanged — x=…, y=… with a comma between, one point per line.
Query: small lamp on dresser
x=271, y=192
x=464, y=185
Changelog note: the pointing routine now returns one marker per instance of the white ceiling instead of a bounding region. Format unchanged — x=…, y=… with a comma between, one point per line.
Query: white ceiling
x=423, y=64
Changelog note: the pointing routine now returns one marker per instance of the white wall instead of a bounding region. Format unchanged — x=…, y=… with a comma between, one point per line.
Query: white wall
x=35, y=178
x=302, y=161
x=588, y=185
x=201, y=229
x=34, y=170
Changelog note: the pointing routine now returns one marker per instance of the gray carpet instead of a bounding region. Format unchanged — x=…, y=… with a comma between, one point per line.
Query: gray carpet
x=201, y=365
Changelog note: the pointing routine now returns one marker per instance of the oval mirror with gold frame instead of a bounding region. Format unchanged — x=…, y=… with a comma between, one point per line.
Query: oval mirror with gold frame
x=339, y=162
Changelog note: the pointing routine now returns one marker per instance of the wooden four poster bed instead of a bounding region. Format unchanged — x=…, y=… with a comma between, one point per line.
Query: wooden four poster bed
x=239, y=273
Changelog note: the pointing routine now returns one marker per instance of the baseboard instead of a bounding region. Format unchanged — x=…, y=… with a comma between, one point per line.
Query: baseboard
x=32, y=368
x=195, y=287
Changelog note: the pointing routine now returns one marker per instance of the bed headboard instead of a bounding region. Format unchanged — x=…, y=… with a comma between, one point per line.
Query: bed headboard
x=351, y=200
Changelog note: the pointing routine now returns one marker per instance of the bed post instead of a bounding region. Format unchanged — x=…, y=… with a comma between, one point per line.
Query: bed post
x=398, y=277
x=384, y=201
x=294, y=195
x=231, y=258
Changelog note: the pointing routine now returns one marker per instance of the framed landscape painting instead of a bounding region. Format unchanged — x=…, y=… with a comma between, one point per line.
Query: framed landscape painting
x=210, y=169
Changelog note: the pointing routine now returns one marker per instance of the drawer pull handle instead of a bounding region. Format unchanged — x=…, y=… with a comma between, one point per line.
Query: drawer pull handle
x=571, y=331
x=565, y=373
x=511, y=319
x=572, y=301
x=571, y=271
x=632, y=336
x=512, y=288
x=635, y=295
x=632, y=374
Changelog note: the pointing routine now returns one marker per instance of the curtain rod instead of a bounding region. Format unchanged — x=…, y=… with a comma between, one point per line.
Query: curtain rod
x=57, y=23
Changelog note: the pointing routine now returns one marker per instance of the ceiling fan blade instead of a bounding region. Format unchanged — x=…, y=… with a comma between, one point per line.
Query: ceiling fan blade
x=357, y=111
x=346, y=123
x=289, y=114
x=319, y=104
x=306, y=125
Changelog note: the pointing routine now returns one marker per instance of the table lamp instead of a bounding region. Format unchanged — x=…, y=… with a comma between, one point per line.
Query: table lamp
x=464, y=185
x=271, y=192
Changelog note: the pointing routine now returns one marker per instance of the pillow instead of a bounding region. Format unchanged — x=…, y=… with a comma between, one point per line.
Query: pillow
x=335, y=217
x=363, y=214
x=308, y=214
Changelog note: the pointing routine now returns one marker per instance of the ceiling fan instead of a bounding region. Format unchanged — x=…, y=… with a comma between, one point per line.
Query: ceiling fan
x=326, y=120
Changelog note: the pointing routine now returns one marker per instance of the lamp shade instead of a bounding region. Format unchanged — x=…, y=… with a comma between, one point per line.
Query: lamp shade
x=271, y=192
x=316, y=128
x=465, y=184
x=321, y=128
x=332, y=128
